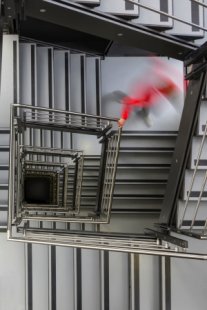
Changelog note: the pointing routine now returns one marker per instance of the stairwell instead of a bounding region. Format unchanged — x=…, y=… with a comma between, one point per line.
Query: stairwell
x=62, y=79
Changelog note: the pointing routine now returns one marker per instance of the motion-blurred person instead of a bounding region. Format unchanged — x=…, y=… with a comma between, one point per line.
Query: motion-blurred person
x=148, y=92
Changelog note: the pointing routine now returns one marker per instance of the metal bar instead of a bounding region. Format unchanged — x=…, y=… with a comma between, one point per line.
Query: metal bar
x=193, y=75
x=19, y=177
x=64, y=112
x=114, y=170
x=15, y=72
x=134, y=289
x=191, y=233
x=29, y=278
x=166, y=14
x=51, y=151
x=74, y=185
x=98, y=86
x=73, y=129
x=50, y=78
x=79, y=184
x=33, y=75
x=167, y=283
x=160, y=259
x=141, y=237
x=83, y=84
x=90, y=240
x=41, y=163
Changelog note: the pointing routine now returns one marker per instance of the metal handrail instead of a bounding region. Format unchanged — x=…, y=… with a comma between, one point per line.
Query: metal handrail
x=194, y=175
x=186, y=206
x=77, y=243
x=63, y=111
x=200, y=3
x=166, y=14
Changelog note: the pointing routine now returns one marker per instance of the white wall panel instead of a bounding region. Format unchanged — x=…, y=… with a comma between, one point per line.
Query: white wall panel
x=9, y=77
x=12, y=274
x=40, y=275
x=118, y=281
x=90, y=279
x=65, y=278
x=188, y=280
x=149, y=283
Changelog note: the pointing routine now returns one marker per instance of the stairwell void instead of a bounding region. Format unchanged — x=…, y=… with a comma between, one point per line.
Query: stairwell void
x=48, y=181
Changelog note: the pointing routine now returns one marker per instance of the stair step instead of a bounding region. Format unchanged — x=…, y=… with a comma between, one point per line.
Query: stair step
x=91, y=157
x=148, y=133
x=140, y=182
x=132, y=166
x=146, y=149
x=122, y=196
x=128, y=210
x=196, y=194
x=200, y=223
x=143, y=166
x=201, y=162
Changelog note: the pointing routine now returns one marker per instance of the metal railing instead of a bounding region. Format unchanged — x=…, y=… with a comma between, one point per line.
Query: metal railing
x=149, y=8
x=52, y=118
x=189, y=221
x=110, y=175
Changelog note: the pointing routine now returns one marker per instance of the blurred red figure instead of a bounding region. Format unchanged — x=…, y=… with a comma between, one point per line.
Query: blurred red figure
x=147, y=94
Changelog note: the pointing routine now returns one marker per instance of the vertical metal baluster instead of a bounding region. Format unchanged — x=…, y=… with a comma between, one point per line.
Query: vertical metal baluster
x=134, y=289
